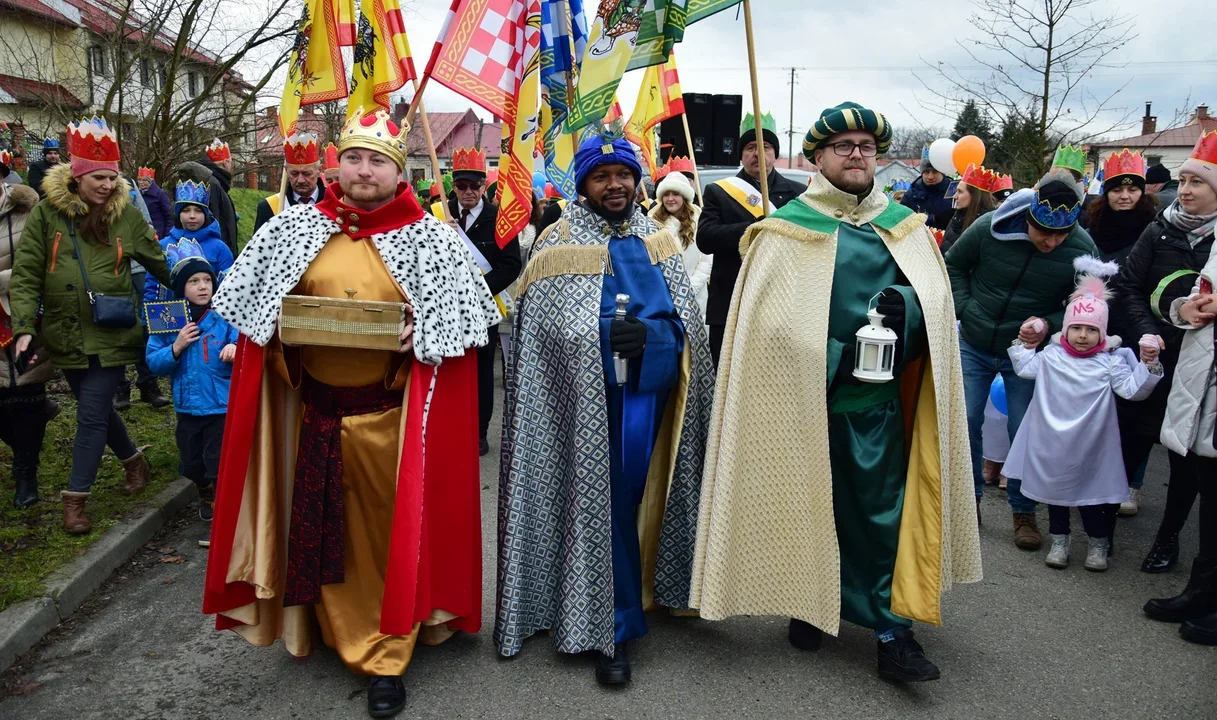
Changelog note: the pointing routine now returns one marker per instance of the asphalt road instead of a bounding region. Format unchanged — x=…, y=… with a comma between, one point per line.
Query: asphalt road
x=1027, y=642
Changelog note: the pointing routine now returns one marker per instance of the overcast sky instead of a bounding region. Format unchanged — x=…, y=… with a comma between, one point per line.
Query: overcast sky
x=868, y=52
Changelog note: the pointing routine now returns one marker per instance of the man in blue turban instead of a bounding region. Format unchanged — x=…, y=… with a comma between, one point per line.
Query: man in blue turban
x=604, y=426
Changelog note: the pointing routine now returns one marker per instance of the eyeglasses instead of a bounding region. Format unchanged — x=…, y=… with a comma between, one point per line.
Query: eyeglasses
x=463, y=186
x=845, y=149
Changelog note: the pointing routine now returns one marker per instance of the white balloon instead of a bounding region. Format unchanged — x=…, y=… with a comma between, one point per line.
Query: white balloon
x=940, y=156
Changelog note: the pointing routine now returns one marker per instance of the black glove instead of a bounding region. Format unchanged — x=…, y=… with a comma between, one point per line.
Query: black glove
x=845, y=369
x=627, y=337
x=891, y=306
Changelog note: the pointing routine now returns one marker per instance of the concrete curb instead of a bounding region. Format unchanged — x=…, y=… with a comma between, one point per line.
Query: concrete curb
x=24, y=624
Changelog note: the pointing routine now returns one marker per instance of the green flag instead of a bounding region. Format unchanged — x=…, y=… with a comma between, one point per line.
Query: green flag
x=702, y=9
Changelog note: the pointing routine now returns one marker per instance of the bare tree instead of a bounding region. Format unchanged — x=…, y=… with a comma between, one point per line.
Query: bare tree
x=907, y=142
x=1035, y=57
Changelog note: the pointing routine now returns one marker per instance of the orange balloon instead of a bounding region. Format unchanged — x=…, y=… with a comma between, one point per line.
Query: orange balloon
x=969, y=150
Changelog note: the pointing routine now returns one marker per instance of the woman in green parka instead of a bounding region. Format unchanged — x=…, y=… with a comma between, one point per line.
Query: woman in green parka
x=86, y=205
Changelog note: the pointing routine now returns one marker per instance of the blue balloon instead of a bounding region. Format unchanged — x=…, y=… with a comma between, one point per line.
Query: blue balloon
x=997, y=393
x=538, y=181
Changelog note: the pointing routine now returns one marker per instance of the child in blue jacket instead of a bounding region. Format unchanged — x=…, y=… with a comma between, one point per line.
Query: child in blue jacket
x=195, y=233
x=199, y=359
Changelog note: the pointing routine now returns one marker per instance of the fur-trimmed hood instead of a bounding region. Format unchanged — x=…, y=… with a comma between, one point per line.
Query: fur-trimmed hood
x=18, y=199
x=56, y=190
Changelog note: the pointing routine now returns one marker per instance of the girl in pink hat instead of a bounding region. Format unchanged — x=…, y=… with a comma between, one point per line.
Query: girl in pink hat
x=1067, y=450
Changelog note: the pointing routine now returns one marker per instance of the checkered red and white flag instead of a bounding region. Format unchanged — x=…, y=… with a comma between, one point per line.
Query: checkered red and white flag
x=482, y=51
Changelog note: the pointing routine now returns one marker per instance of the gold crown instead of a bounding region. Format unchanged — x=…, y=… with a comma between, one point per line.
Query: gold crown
x=377, y=132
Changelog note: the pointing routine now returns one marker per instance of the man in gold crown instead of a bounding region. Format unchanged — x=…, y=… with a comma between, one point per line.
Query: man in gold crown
x=327, y=517
x=832, y=493
x=302, y=163
x=473, y=218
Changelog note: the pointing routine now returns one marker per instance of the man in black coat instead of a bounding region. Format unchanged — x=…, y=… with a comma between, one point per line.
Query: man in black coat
x=302, y=163
x=217, y=158
x=731, y=205
x=928, y=194
x=473, y=217
x=38, y=170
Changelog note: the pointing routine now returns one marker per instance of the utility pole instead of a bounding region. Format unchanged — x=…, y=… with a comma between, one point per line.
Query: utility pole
x=790, y=133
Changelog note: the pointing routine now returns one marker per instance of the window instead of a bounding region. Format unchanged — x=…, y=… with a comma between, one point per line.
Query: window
x=1152, y=160
x=145, y=71
x=194, y=83
x=162, y=71
x=97, y=61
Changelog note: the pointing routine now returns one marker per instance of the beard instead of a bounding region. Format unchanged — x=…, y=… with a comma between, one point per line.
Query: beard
x=369, y=193
x=613, y=216
x=851, y=183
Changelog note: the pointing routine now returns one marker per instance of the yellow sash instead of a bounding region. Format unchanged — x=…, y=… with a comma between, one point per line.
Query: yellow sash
x=747, y=196
x=273, y=201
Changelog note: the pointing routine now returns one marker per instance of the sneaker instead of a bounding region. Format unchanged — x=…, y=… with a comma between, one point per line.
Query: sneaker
x=1058, y=556
x=207, y=501
x=903, y=660
x=1130, y=508
x=1096, y=555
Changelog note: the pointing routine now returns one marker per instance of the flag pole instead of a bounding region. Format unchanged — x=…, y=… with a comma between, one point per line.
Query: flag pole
x=422, y=118
x=684, y=119
x=756, y=108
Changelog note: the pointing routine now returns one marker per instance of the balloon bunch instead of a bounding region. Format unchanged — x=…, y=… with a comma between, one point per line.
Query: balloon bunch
x=952, y=157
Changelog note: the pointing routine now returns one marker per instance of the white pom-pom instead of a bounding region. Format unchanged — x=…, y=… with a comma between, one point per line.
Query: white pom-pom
x=1092, y=265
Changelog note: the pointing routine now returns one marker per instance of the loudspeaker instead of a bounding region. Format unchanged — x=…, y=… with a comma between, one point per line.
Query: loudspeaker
x=727, y=113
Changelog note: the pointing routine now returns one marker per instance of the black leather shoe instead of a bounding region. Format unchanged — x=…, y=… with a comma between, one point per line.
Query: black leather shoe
x=613, y=670
x=386, y=696
x=150, y=392
x=804, y=635
x=1198, y=599
x=1202, y=631
x=122, y=398
x=1162, y=556
x=27, y=488
x=903, y=660
x=483, y=448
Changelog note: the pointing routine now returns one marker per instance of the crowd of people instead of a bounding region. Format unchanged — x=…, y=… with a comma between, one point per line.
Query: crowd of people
x=715, y=402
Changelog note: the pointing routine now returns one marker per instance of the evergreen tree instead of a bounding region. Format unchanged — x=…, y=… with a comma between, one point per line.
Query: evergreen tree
x=973, y=121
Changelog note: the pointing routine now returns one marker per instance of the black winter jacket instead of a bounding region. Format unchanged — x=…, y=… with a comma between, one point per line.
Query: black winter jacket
x=931, y=200
x=221, y=205
x=719, y=229
x=504, y=262
x=264, y=213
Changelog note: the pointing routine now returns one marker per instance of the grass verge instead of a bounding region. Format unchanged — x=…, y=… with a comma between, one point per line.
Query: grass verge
x=246, y=201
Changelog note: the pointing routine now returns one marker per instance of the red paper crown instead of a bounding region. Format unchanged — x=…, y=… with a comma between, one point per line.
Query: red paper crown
x=218, y=151
x=1125, y=162
x=679, y=164
x=92, y=139
x=1004, y=182
x=301, y=149
x=6, y=158
x=980, y=178
x=1206, y=148
x=469, y=160
x=146, y=173
x=331, y=157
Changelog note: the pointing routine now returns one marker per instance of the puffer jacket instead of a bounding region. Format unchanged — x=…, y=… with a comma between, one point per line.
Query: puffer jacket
x=1191, y=412
x=16, y=202
x=200, y=377
x=931, y=200
x=999, y=279
x=214, y=250
x=48, y=271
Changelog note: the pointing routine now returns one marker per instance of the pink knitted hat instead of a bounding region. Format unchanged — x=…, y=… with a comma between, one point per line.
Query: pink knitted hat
x=1088, y=304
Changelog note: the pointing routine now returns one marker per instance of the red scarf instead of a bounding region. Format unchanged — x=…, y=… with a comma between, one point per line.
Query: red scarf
x=1081, y=353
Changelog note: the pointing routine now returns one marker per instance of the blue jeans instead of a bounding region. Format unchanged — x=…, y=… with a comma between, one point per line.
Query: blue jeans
x=979, y=369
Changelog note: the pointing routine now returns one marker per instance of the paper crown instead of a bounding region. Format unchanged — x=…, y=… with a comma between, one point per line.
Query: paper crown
x=1206, y=148
x=146, y=172
x=767, y=123
x=925, y=152
x=6, y=158
x=184, y=248
x=50, y=144
x=469, y=160
x=92, y=139
x=331, y=157
x=1004, y=182
x=980, y=178
x=899, y=185
x=375, y=131
x=1070, y=158
x=1061, y=217
x=301, y=149
x=218, y=151
x=1125, y=162
x=188, y=192
x=679, y=164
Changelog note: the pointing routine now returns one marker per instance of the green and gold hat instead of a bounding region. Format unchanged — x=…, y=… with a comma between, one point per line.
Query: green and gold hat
x=1070, y=158
x=843, y=118
x=769, y=132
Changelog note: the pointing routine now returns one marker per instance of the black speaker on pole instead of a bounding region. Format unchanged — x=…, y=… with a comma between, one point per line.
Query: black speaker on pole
x=727, y=114
x=699, y=109
x=672, y=139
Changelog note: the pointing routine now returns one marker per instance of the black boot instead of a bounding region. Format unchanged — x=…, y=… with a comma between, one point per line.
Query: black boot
x=613, y=670
x=1202, y=631
x=483, y=447
x=150, y=392
x=804, y=635
x=27, y=487
x=1198, y=599
x=1162, y=556
x=122, y=397
x=207, y=501
x=903, y=660
x=386, y=696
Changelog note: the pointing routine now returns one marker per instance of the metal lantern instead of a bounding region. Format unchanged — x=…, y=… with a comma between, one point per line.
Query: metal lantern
x=876, y=350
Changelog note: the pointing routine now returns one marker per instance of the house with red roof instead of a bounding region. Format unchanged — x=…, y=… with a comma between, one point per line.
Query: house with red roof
x=1169, y=147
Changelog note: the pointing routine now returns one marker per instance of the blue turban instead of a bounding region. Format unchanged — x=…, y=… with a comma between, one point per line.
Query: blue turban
x=596, y=151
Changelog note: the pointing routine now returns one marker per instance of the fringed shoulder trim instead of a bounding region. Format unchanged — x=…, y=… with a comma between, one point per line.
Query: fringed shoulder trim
x=908, y=225
x=661, y=245
x=564, y=260
x=560, y=229
x=781, y=227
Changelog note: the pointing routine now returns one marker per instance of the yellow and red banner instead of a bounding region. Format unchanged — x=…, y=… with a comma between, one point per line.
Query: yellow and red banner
x=520, y=128
x=346, y=20
x=315, y=70
x=383, y=63
x=659, y=98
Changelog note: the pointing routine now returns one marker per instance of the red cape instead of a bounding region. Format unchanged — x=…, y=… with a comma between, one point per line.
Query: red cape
x=435, y=551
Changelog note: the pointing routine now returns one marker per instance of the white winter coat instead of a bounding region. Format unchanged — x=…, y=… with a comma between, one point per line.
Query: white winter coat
x=697, y=263
x=1191, y=408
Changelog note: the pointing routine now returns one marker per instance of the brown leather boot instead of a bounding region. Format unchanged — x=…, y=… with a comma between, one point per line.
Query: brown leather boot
x=137, y=470
x=1026, y=533
x=74, y=519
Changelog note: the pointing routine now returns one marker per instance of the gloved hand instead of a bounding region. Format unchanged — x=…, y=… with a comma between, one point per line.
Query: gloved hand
x=628, y=337
x=845, y=369
x=891, y=306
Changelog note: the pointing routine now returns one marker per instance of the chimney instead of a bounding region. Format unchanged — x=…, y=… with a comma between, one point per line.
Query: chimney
x=399, y=111
x=1202, y=112
x=1149, y=123
x=272, y=113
